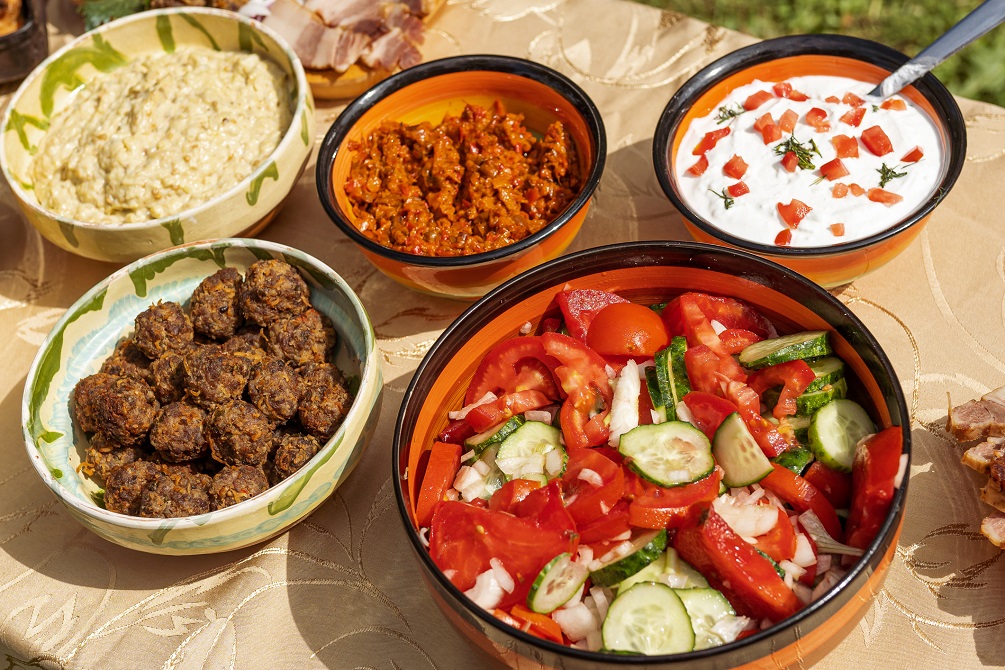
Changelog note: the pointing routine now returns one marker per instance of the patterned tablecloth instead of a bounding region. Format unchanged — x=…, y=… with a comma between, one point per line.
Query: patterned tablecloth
x=341, y=590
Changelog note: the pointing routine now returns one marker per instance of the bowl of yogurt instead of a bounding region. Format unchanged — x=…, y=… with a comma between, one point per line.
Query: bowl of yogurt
x=778, y=149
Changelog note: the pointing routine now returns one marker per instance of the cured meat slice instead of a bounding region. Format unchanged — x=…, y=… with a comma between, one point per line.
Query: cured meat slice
x=993, y=528
x=317, y=46
x=981, y=456
x=976, y=419
x=391, y=49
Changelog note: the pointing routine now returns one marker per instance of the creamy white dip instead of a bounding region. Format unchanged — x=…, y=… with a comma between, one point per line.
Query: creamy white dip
x=755, y=217
x=161, y=134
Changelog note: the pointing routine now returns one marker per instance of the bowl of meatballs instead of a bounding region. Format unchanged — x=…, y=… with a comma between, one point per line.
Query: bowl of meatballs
x=204, y=398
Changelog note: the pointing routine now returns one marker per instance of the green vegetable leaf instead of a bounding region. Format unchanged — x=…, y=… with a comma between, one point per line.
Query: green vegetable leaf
x=888, y=174
x=97, y=12
x=727, y=199
x=727, y=113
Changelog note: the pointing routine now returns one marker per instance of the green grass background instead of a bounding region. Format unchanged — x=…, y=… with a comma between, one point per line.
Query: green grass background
x=977, y=72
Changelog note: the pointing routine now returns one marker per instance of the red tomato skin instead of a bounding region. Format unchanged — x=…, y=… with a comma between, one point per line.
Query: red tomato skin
x=456, y=432
x=627, y=329
x=883, y=196
x=730, y=312
x=581, y=372
x=579, y=306
x=503, y=408
x=511, y=493
x=817, y=118
x=837, y=229
x=794, y=212
x=756, y=100
x=794, y=376
x=748, y=402
x=538, y=625
x=699, y=167
x=836, y=486
x=834, y=169
x=516, y=364
x=738, y=189
x=853, y=117
x=731, y=565
x=444, y=460
x=845, y=146
x=803, y=496
x=780, y=542
x=876, y=141
x=735, y=340
x=735, y=167
x=913, y=156
x=589, y=503
x=708, y=410
x=787, y=121
x=873, y=471
x=605, y=529
x=784, y=237
x=709, y=141
x=790, y=161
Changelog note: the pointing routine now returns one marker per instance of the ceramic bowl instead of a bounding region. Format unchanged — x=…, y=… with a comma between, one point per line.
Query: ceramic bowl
x=242, y=210
x=649, y=273
x=776, y=60
x=428, y=92
x=87, y=334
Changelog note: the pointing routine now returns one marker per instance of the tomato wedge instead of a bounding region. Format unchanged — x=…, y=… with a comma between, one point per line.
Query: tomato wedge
x=836, y=486
x=709, y=141
x=845, y=146
x=581, y=372
x=803, y=496
x=586, y=501
x=747, y=579
x=794, y=212
x=876, y=141
x=735, y=340
x=735, y=167
x=456, y=432
x=444, y=460
x=511, y=494
x=516, y=364
x=834, y=169
x=748, y=402
x=793, y=376
x=502, y=408
x=798, y=96
x=627, y=329
x=853, y=117
x=756, y=100
x=763, y=121
x=883, y=196
x=682, y=319
x=579, y=306
x=780, y=542
x=873, y=472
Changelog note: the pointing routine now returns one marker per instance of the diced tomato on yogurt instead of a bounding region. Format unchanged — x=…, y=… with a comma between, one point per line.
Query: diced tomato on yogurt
x=834, y=169
x=882, y=195
x=735, y=167
x=756, y=100
x=709, y=141
x=794, y=212
x=853, y=117
x=876, y=141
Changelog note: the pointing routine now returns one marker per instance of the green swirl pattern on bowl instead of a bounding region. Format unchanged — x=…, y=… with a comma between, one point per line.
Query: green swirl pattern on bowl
x=239, y=211
x=87, y=334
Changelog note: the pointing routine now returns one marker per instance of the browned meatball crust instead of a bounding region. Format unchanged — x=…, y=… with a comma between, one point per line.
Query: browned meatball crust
x=214, y=306
x=233, y=484
x=214, y=376
x=239, y=434
x=292, y=453
x=101, y=462
x=272, y=290
x=86, y=396
x=304, y=338
x=274, y=388
x=324, y=399
x=177, y=434
x=167, y=377
x=125, y=484
x=162, y=327
x=125, y=410
x=127, y=361
x=175, y=494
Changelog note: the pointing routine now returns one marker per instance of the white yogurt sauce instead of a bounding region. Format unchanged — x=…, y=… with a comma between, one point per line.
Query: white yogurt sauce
x=754, y=216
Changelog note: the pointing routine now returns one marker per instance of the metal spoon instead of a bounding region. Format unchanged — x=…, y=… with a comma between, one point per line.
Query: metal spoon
x=971, y=27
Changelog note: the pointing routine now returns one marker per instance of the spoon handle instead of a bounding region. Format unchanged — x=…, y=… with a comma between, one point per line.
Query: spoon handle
x=971, y=27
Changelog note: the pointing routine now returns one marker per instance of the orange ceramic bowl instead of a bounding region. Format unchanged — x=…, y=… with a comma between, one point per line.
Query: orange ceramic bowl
x=650, y=273
x=428, y=92
x=777, y=60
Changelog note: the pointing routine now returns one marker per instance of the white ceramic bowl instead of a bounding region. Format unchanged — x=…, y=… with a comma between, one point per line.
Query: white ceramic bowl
x=240, y=211
x=87, y=334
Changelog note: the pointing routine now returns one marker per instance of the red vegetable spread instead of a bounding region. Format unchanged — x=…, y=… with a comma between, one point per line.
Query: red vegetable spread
x=476, y=182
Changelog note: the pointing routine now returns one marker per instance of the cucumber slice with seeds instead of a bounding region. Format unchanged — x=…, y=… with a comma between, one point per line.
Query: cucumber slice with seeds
x=668, y=454
x=705, y=607
x=556, y=584
x=526, y=453
x=648, y=619
x=810, y=344
x=807, y=404
x=738, y=454
x=646, y=548
x=655, y=395
x=836, y=430
x=494, y=435
x=827, y=370
x=797, y=459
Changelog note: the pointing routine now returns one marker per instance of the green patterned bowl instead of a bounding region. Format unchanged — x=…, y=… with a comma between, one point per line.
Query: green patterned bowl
x=86, y=335
x=241, y=211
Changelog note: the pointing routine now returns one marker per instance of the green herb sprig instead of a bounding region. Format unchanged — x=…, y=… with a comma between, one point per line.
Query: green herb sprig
x=888, y=174
x=803, y=152
x=726, y=113
x=727, y=199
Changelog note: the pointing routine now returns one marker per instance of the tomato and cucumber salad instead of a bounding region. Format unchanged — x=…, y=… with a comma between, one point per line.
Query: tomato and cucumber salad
x=654, y=479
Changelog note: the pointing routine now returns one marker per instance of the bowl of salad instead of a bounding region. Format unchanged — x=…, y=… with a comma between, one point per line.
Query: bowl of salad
x=780, y=149
x=658, y=454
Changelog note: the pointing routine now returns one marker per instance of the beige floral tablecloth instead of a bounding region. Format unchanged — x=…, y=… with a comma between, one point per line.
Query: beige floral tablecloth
x=340, y=590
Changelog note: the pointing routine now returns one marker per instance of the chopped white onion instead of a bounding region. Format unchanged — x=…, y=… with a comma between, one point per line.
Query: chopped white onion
x=503, y=577
x=585, y=553
x=466, y=476
x=656, y=416
x=591, y=477
x=576, y=599
x=554, y=462
x=424, y=537
x=577, y=622
x=804, y=556
x=467, y=456
x=487, y=593
x=595, y=640
x=901, y=471
x=481, y=467
x=452, y=494
x=449, y=574
x=791, y=569
x=824, y=563
x=256, y=9
x=542, y=415
x=625, y=405
x=463, y=412
x=718, y=327
x=627, y=535
x=526, y=328
x=728, y=628
x=683, y=413
x=749, y=521
x=602, y=599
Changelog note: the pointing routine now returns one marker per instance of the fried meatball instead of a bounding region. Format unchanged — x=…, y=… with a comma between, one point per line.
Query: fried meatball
x=124, y=411
x=214, y=376
x=167, y=377
x=239, y=434
x=272, y=290
x=177, y=434
x=86, y=398
x=214, y=308
x=324, y=399
x=249, y=342
x=274, y=388
x=162, y=327
x=101, y=462
x=125, y=484
x=292, y=453
x=233, y=484
x=127, y=361
x=179, y=493
x=304, y=338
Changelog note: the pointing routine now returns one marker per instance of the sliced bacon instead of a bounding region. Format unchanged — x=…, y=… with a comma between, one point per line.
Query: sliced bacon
x=398, y=15
x=345, y=13
x=390, y=50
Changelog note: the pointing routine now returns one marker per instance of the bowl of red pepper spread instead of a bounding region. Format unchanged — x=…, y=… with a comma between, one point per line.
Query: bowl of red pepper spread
x=825, y=176
x=563, y=341
x=458, y=174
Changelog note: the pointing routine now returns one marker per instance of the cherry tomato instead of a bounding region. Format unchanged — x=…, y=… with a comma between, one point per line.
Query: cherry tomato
x=787, y=121
x=845, y=146
x=627, y=329
x=882, y=195
x=794, y=375
x=516, y=364
x=709, y=141
x=588, y=502
x=780, y=542
x=735, y=167
x=873, y=471
x=876, y=141
x=834, y=169
x=708, y=410
x=731, y=565
x=504, y=407
x=803, y=496
x=836, y=486
x=756, y=100
x=817, y=118
x=794, y=212
x=579, y=306
x=444, y=460
x=913, y=156
x=581, y=372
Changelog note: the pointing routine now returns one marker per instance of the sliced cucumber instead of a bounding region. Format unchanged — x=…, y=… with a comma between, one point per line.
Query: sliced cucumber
x=658, y=401
x=671, y=374
x=808, y=404
x=650, y=619
x=738, y=454
x=800, y=426
x=668, y=569
x=797, y=459
x=836, y=429
x=495, y=478
x=810, y=344
x=675, y=565
x=646, y=548
x=556, y=584
x=705, y=607
x=667, y=454
x=827, y=370
x=494, y=435
x=525, y=453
